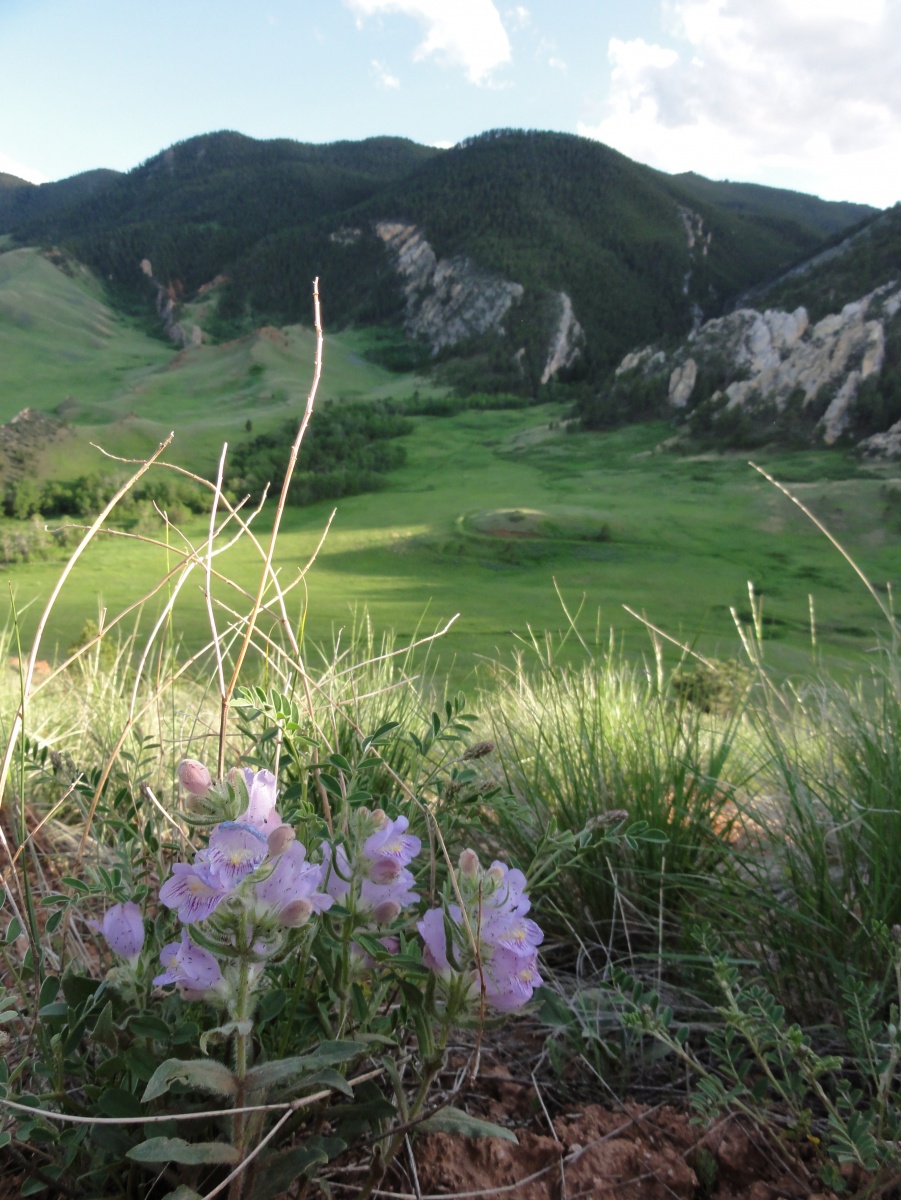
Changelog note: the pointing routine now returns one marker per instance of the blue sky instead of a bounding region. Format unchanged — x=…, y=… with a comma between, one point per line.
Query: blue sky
x=795, y=93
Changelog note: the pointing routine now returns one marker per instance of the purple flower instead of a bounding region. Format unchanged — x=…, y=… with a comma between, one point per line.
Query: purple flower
x=431, y=929
x=509, y=890
x=235, y=850
x=496, y=905
x=193, y=890
x=123, y=929
x=506, y=930
x=194, y=969
x=375, y=895
x=262, y=793
x=510, y=979
x=391, y=841
x=291, y=890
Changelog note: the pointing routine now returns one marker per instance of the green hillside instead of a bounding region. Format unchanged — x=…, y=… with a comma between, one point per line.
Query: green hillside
x=65, y=351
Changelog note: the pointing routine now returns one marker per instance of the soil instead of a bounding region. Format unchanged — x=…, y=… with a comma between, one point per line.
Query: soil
x=632, y=1152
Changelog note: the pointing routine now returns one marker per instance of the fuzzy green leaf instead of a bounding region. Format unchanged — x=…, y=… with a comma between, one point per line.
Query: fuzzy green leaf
x=202, y=1073
x=163, y=1149
x=455, y=1120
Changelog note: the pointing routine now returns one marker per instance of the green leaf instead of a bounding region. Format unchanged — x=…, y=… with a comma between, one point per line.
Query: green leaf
x=13, y=929
x=282, y=1070
x=202, y=1073
x=279, y=1171
x=52, y=1012
x=49, y=991
x=145, y=1025
x=182, y=1192
x=187, y=1032
x=455, y=1120
x=271, y=1004
x=163, y=1149
x=79, y=988
x=104, y=1030
x=117, y=1102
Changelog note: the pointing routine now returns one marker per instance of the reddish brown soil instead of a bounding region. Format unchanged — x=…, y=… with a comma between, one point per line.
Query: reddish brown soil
x=634, y=1152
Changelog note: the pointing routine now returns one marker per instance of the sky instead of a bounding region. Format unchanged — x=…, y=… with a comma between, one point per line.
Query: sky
x=801, y=94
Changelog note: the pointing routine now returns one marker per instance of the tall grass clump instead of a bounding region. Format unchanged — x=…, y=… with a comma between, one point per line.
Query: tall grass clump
x=828, y=884
x=608, y=744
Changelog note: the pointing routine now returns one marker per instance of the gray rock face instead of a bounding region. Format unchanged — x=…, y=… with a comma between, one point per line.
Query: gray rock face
x=448, y=299
x=451, y=299
x=566, y=340
x=774, y=356
x=682, y=383
x=883, y=445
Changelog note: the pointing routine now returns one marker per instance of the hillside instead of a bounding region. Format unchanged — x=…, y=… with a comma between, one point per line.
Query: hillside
x=586, y=252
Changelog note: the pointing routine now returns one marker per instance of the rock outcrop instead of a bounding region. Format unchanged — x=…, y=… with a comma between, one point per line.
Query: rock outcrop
x=566, y=342
x=451, y=299
x=763, y=362
x=448, y=299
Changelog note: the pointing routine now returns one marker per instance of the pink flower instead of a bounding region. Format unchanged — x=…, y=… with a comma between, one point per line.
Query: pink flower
x=434, y=936
x=496, y=904
x=337, y=870
x=510, y=979
x=194, y=777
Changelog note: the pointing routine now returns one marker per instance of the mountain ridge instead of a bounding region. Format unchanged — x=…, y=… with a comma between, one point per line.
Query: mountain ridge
x=638, y=254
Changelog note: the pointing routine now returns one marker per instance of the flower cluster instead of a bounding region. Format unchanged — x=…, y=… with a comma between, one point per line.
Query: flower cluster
x=253, y=883
x=506, y=967
x=252, y=869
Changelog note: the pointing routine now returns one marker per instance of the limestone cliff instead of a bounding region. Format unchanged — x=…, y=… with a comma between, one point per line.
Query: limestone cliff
x=763, y=363
x=451, y=299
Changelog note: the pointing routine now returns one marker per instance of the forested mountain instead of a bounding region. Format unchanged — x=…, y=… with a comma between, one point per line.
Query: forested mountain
x=22, y=203
x=566, y=225
x=848, y=268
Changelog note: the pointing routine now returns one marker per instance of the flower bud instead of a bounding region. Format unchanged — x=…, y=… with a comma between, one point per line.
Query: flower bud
x=496, y=873
x=379, y=818
x=279, y=840
x=194, y=777
x=386, y=912
x=296, y=913
x=479, y=750
x=385, y=870
x=469, y=863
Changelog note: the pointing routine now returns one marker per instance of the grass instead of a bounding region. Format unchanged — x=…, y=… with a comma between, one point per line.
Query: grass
x=684, y=540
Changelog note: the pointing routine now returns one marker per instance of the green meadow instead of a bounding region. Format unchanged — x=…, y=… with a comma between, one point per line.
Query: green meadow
x=500, y=517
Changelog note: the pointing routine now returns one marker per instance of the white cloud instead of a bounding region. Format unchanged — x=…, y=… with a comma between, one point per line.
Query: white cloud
x=458, y=33
x=384, y=76
x=557, y=63
x=798, y=93
x=518, y=17
x=9, y=166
